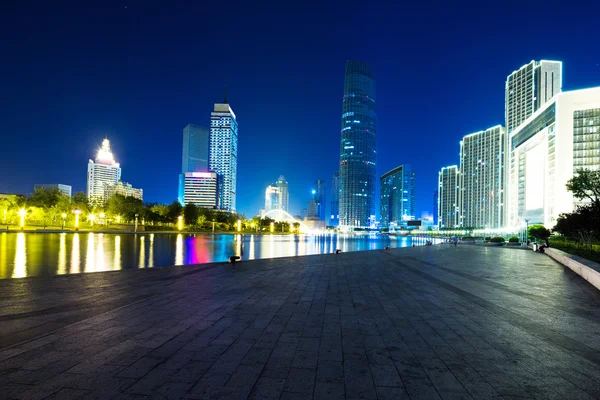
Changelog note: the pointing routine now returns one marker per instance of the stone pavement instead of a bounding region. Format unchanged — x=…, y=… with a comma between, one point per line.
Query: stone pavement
x=418, y=323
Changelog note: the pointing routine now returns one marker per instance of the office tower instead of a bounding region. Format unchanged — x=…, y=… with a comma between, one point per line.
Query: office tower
x=199, y=188
x=223, y=153
x=435, y=208
x=273, y=198
x=282, y=184
x=319, y=197
x=358, y=155
x=311, y=210
x=101, y=172
x=64, y=189
x=397, y=197
x=334, y=211
x=122, y=188
x=529, y=88
x=195, y=149
x=482, y=179
x=545, y=152
x=448, y=193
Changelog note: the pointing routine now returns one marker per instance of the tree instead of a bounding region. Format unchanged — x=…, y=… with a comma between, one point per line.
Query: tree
x=585, y=185
x=190, y=214
x=45, y=198
x=539, y=232
x=174, y=211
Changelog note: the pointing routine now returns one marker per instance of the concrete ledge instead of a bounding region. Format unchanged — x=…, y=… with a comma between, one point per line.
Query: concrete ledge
x=588, y=270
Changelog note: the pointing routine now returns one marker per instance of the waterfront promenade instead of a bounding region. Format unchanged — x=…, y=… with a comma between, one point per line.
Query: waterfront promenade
x=415, y=323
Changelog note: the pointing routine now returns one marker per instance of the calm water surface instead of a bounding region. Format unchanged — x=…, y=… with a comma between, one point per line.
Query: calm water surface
x=46, y=254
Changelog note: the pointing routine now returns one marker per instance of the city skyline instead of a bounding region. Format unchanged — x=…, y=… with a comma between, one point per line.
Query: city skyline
x=139, y=106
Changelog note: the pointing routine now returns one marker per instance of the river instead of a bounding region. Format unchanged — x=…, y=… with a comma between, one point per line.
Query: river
x=46, y=254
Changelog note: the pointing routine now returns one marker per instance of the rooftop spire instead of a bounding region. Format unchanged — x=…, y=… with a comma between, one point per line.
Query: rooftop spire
x=225, y=98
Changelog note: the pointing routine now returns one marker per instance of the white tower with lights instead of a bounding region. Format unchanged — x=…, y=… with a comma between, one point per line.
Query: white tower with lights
x=102, y=172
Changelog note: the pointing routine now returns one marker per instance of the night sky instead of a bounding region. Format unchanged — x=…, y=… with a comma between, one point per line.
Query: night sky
x=137, y=72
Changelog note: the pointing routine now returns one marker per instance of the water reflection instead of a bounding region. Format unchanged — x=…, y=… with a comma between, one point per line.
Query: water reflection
x=31, y=254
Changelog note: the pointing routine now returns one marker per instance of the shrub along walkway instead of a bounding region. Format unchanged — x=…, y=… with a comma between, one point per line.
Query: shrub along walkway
x=420, y=323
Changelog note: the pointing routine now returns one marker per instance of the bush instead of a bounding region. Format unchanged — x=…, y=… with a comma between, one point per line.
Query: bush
x=157, y=228
x=513, y=239
x=488, y=238
x=497, y=239
x=468, y=238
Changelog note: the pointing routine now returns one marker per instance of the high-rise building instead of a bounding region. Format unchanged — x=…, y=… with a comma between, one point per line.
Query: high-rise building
x=195, y=149
x=199, y=188
x=311, y=210
x=223, y=153
x=358, y=155
x=545, y=152
x=273, y=198
x=334, y=211
x=101, y=172
x=448, y=195
x=122, y=188
x=482, y=179
x=282, y=184
x=319, y=197
x=64, y=189
x=529, y=88
x=397, y=196
x=435, y=208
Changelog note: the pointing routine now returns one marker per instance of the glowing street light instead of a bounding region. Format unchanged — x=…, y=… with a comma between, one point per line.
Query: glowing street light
x=22, y=213
x=272, y=227
x=180, y=222
x=118, y=219
x=92, y=218
x=64, y=216
x=77, y=212
x=239, y=225
x=5, y=216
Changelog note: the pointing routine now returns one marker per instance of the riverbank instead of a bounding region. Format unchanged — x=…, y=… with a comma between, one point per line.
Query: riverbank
x=464, y=321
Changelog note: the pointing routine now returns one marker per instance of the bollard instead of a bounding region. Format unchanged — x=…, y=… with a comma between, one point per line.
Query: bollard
x=233, y=259
x=386, y=247
x=338, y=251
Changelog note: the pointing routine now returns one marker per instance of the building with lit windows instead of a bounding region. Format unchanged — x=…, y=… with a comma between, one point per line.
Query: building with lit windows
x=124, y=189
x=273, y=198
x=223, y=153
x=283, y=186
x=334, y=208
x=66, y=190
x=529, y=88
x=102, y=172
x=194, y=156
x=482, y=179
x=435, y=208
x=199, y=188
x=397, y=197
x=319, y=197
x=545, y=152
x=448, y=196
x=358, y=156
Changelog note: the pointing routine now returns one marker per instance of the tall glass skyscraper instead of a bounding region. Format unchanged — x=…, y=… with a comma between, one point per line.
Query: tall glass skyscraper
x=102, y=172
x=334, y=211
x=194, y=157
x=358, y=154
x=397, y=198
x=223, y=153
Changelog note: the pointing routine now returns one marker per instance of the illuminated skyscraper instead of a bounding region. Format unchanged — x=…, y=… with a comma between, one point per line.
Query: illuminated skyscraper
x=223, y=153
x=358, y=155
x=319, y=198
x=334, y=211
x=448, y=193
x=529, y=88
x=482, y=179
x=101, y=172
x=195, y=149
x=199, y=188
x=282, y=184
x=273, y=198
x=397, y=198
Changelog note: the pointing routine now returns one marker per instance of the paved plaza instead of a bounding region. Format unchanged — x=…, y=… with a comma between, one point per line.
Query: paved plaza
x=433, y=322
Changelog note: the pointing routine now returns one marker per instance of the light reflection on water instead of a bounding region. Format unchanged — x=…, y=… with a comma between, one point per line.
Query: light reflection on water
x=46, y=254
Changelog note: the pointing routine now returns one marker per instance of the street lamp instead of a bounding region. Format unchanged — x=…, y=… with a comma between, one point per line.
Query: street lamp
x=272, y=227
x=92, y=218
x=526, y=232
x=102, y=220
x=180, y=222
x=5, y=216
x=136, y=222
x=77, y=212
x=213, y=221
x=239, y=225
x=64, y=216
x=22, y=213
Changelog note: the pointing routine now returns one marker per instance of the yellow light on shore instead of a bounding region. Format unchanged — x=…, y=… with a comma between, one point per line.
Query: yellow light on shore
x=102, y=215
x=22, y=213
x=272, y=227
x=77, y=212
x=118, y=219
x=180, y=222
x=92, y=218
x=239, y=225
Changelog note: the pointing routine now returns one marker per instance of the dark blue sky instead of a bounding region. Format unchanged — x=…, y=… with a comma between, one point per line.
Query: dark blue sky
x=139, y=71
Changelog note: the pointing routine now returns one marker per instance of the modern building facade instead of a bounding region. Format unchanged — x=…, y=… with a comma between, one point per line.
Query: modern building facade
x=283, y=186
x=482, y=179
x=435, y=208
x=273, y=198
x=199, y=188
x=223, y=153
x=102, y=172
x=545, y=152
x=448, y=196
x=334, y=205
x=124, y=189
x=397, y=197
x=66, y=190
x=358, y=155
x=529, y=88
x=320, y=200
x=194, y=156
